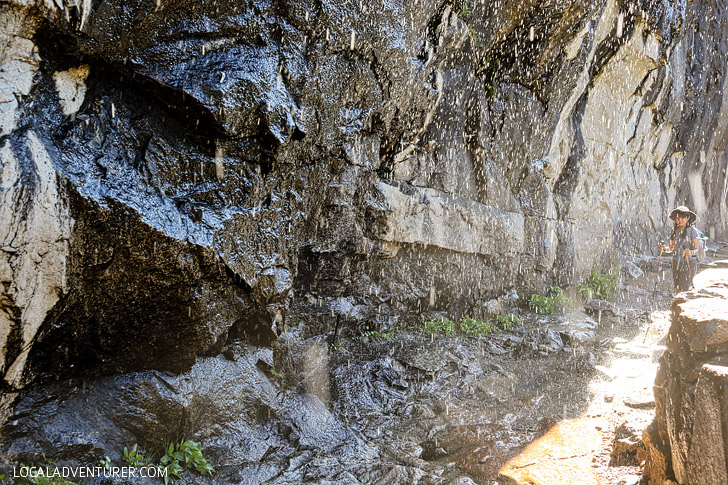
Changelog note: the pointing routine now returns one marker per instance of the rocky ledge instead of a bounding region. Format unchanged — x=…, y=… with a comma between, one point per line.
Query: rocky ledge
x=687, y=441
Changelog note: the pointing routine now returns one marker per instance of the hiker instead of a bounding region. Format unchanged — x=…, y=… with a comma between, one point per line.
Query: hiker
x=684, y=244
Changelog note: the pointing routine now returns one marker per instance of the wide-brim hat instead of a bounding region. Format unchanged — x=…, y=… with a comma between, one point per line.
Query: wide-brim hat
x=692, y=216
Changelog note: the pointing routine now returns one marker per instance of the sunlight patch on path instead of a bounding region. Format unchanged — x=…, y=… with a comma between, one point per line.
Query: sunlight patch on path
x=622, y=386
x=563, y=455
x=620, y=389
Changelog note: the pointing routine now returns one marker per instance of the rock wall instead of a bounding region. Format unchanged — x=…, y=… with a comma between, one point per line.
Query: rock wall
x=178, y=173
x=686, y=442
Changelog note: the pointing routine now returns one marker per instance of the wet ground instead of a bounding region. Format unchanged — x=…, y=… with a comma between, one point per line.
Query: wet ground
x=517, y=407
x=539, y=404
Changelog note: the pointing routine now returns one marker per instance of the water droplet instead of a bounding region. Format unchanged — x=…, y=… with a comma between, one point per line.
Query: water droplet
x=620, y=24
x=219, y=167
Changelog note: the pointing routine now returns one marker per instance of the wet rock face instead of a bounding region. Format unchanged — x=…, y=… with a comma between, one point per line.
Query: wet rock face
x=687, y=440
x=137, y=300
x=175, y=174
x=373, y=410
x=195, y=191
x=253, y=430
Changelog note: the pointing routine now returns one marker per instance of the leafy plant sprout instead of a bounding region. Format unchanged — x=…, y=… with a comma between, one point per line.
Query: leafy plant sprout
x=134, y=456
x=377, y=335
x=602, y=286
x=553, y=300
x=275, y=373
x=507, y=322
x=185, y=454
x=37, y=479
x=442, y=325
x=177, y=456
x=464, y=10
x=475, y=327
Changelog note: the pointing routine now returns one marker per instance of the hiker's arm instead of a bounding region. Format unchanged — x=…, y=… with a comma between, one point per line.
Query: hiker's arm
x=694, y=245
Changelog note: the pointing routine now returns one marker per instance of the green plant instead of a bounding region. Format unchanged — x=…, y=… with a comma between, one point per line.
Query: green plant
x=541, y=304
x=472, y=326
x=191, y=452
x=442, y=325
x=184, y=454
x=507, y=322
x=274, y=372
x=105, y=463
x=171, y=467
x=342, y=343
x=41, y=480
x=55, y=481
x=485, y=65
x=485, y=70
x=559, y=299
x=134, y=457
x=601, y=286
x=464, y=9
x=36, y=478
x=546, y=305
x=474, y=38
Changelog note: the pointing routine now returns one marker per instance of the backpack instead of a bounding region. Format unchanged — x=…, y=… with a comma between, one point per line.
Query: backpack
x=702, y=241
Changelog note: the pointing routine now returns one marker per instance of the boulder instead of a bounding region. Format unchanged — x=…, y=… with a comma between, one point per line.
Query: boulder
x=595, y=307
x=687, y=440
x=576, y=328
x=631, y=269
x=628, y=448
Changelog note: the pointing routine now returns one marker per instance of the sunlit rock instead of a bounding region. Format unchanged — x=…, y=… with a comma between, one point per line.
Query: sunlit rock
x=19, y=62
x=690, y=391
x=576, y=328
x=628, y=448
x=431, y=218
x=71, y=88
x=34, y=256
x=546, y=459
